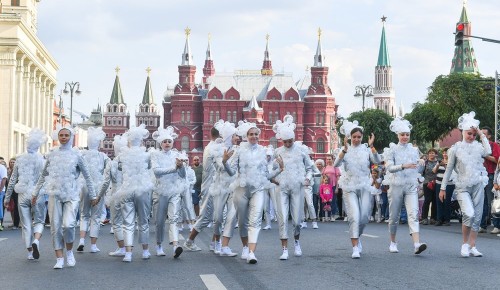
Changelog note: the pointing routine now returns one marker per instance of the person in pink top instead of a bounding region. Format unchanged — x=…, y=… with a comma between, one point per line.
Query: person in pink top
x=333, y=174
x=326, y=195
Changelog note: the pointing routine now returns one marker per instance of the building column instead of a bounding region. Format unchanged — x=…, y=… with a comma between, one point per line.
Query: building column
x=7, y=93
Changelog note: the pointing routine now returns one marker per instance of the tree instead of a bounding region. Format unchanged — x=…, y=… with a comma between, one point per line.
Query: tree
x=377, y=122
x=428, y=124
x=458, y=93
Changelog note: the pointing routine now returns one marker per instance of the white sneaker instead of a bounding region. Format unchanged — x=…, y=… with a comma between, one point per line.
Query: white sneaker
x=30, y=256
x=212, y=246
x=36, y=249
x=315, y=225
x=59, y=263
x=244, y=253
x=345, y=219
x=298, y=250
x=251, y=259
x=159, y=251
x=226, y=252
x=420, y=247
x=80, y=247
x=284, y=255
x=128, y=257
x=70, y=259
x=119, y=252
x=303, y=225
x=94, y=249
x=267, y=227
x=355, y=253
x=465, y=250
x=146, y=254
x=111, y=231
x=393, y=247
x=474, y=252
x=217, y=248
x=495, y=231
x=191, y=247
x=177, y=251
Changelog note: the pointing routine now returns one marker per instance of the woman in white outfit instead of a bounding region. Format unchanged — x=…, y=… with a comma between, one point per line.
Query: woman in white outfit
x=24, y=176
x=466, y=158
x=60, y=177
x=90, y=216
x=249, y=187
x=356, y=180
x=403, y=172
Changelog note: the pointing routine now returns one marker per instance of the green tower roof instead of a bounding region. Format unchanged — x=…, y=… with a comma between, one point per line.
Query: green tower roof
x=464, y=58
x=383, y=53
x=463, y=16
x=116, y=95
x=148, y=93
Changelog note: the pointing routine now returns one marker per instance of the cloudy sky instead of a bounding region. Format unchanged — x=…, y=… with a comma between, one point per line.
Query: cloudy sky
x=89, y=38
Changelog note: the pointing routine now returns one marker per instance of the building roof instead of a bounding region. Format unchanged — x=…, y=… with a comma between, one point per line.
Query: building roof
x=187, y=57
x=383, y=53
x=463, y=16
x=253, y=105
x=116, y=94
x=318, y=57
x=464, y=59
x=147, y=98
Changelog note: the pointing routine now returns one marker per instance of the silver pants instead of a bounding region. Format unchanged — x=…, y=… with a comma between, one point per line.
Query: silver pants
x=116, y=219
x=140, y=204
x=308, y=194
x=206, y=213
x=289, y=201
x=167, y=205
x=471, y=200
x=90, y=216
x=221, y=201
x=397, y=194
x=25, y=210
x=187, y=206
x=249, y=206
x=62, y=221
x=358, y=206
x=269, y=205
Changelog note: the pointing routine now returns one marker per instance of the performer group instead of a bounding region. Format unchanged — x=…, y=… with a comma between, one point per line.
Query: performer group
x=242, y=182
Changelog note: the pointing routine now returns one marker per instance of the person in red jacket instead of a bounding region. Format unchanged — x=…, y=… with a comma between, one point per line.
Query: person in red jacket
x=326, y=195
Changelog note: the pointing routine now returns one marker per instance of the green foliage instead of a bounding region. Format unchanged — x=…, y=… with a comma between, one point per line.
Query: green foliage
x=376, y=122
x=428, y=123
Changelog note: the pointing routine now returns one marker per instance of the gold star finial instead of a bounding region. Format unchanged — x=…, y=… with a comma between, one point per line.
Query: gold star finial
x=148, y=70
x=383, y=18
x=117, y=70
x=319, y=33
x=187, y=31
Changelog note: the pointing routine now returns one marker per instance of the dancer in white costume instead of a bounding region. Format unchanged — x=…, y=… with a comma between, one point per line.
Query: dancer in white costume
x=135, y=192
x=207, y=201
x=249, y=187
x=60, y=176
x=309, y=211
x=269, y=206
x=170, y=172
x=23, y=179
x=466, y=159
x=113, y=175
x=187, y=209
x=90, y=216
x=222, y=194
x=356, y=182
x=297, y=173
x=403, y=172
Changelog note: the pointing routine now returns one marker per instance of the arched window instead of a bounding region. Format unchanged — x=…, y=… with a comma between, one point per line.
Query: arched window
x=217, y=116
x=228, y=116
x=121, y=109
x=254, y=114
x=185, y=143
x=320, y=145
x=271, y=118
x=188, y=117
x=273, y=141
x=211, y=117
x=323, y=115
x=150, y=121
x=276, y=116
x=234, y=117
x=182, y=117
x=294, y=114
x=317, y=118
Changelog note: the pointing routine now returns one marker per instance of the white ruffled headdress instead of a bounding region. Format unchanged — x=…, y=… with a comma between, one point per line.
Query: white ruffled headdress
x=164, y=134
x=467, y=121
x=36, y=138
x=94, y=137
x=119, y=142
x=285, y=130
x=347, y=128
x=226, y=131
x=243, y=127
x=135, y=135
x=400, y=125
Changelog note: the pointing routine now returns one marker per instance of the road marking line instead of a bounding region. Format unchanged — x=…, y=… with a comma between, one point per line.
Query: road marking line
x=212, y=282
x=3, y=239
x=367, y=235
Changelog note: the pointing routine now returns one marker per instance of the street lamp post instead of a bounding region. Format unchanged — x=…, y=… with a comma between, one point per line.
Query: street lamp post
x=365, y=92
x=72, y=87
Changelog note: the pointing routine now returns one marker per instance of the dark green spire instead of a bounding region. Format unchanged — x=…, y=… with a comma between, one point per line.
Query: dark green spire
x=147, y=98
x=383, y=53
x=463, y=16
x=116, y=95
x=464, y=58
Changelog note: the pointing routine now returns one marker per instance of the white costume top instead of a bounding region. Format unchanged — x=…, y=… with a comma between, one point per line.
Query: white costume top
x=222, y=179
x=96, y=162
x=467, y=160
x=397, y=155
x=25, y=174
x=169, y=179
x=137, y=176
x=298, y=166
x=356, y=161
